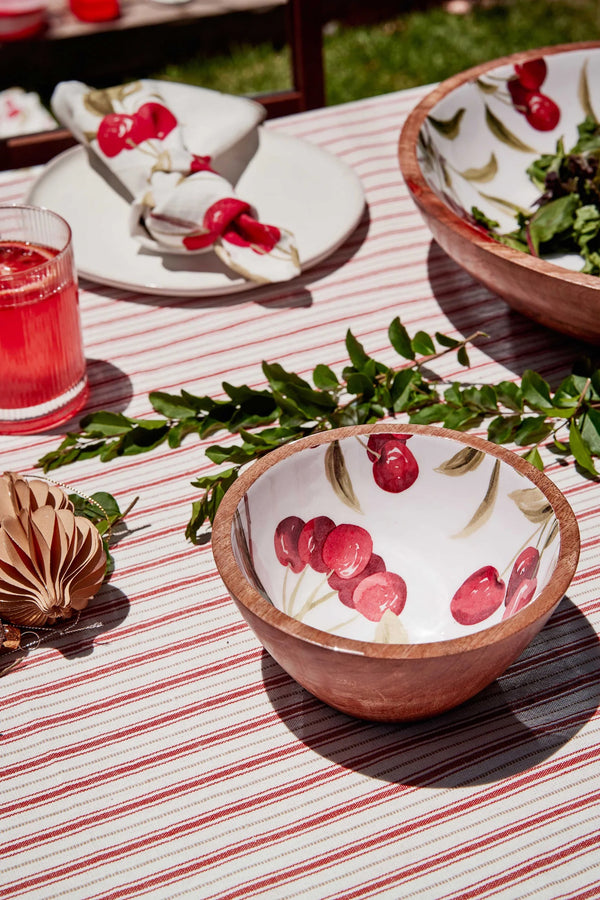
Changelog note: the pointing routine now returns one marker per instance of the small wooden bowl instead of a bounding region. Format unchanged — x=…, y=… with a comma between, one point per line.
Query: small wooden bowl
x=481, y=144
x=391, y=676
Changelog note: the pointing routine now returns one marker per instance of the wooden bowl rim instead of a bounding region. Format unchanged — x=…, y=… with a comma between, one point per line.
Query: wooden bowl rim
x=251, y=599
x=425, y=197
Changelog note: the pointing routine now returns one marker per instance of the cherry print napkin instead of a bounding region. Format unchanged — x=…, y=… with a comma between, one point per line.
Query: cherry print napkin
x=179, y=203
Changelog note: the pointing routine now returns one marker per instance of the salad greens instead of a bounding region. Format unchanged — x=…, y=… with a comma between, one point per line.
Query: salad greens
x=567, y=217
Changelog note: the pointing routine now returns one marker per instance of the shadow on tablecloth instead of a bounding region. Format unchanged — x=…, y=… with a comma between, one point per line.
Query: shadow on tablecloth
x=514, y=341
x=110, y=388
x=294, y=294
x=519, y=721
x=106, y=611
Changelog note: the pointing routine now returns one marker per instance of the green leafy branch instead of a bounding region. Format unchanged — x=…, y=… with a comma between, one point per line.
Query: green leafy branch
x=525, y=414
x=103, y=511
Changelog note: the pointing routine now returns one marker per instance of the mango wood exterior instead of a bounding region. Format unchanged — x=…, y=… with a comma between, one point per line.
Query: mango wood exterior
x=392, y=682
x=566, y=301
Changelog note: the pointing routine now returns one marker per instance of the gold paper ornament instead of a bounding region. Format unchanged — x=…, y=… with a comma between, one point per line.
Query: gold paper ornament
x=51, y=560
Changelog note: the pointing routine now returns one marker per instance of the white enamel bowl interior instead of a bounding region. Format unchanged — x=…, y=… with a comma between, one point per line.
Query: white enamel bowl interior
x=466, y=515
x=475, y=146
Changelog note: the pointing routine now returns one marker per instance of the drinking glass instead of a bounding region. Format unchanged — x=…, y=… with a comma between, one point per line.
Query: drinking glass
x=43, y=379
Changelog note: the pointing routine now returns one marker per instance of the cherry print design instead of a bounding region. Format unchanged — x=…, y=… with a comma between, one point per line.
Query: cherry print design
x=230, y=219
x=395, y=468
x=287, y=534
x=522, y=595
x=376, y=442
x=541, y=112
x=311, y=540
x=200, y=164
x=379, y=592
x=344, y=554
x=347, y=550
x=478, y=597
x=120, y=131
x=346, y=586
x=522, y=583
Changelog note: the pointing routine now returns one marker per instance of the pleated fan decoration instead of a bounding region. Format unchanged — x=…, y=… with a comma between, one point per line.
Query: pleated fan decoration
x=52, y=561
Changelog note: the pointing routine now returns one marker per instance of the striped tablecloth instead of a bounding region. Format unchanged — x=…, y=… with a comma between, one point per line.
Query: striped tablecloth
x=159, y=752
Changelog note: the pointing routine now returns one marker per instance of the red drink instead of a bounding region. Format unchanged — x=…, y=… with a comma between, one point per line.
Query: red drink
x=95, y=10
x=42, y=366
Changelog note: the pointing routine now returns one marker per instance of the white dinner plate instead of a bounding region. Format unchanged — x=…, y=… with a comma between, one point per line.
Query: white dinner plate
x=290, y=182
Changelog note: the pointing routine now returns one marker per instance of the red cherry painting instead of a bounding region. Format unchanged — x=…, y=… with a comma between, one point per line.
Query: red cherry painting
x=346, y=586
x=478, y=597
x=113, y=133
x=532, y=74
x=311, y=540
x=519, y=94
x=542, y=113
x=524, y=568
x=379, y=592
x=155, y=121
x=376, y=442
x=521, y=597
x=118, y=131
x=347, y=550
x=286, y=538
x=396, y=469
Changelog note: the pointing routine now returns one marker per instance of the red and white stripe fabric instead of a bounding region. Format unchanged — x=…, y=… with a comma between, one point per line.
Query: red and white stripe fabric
x=159, y=752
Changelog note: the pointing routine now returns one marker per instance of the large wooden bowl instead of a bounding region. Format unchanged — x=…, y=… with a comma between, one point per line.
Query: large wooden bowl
x=547, y=292
x=387, y=676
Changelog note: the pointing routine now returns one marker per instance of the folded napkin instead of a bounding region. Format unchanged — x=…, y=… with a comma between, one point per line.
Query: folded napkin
x=179, y=203
x=21, y=112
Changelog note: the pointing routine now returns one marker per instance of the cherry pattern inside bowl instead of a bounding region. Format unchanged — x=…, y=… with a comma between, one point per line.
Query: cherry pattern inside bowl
x=397, y=537
x=478, y=141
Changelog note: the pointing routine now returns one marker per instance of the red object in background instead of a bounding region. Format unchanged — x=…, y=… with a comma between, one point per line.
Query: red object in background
x=95, y=10
x=21, y=19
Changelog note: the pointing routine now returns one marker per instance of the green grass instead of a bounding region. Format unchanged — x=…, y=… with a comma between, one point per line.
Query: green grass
x=416, y=48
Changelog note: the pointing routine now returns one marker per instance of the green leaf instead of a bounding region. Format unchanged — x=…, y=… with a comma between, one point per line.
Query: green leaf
x=429, y=414
x=532, y=430
x=533, y=456
x=279, y=379
x=171, y=407
x=536, y=391
x=445, y=341
x=453, y=395
x=359, y=384
x=502, y=429
x=483, y=398
x=581, y=450
x=422, y=344
x=179, y=431
x=356, y=352
x=208, y=481
x=313, y=404
x=590, y=430
x=552, y=219
x=106, y=424
x=142, y=438
x=325, y=378
x=400, y=340
x=402, y=388
x=233, y=454
x=463, y=357
x=510, y=395
x=462, y=419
